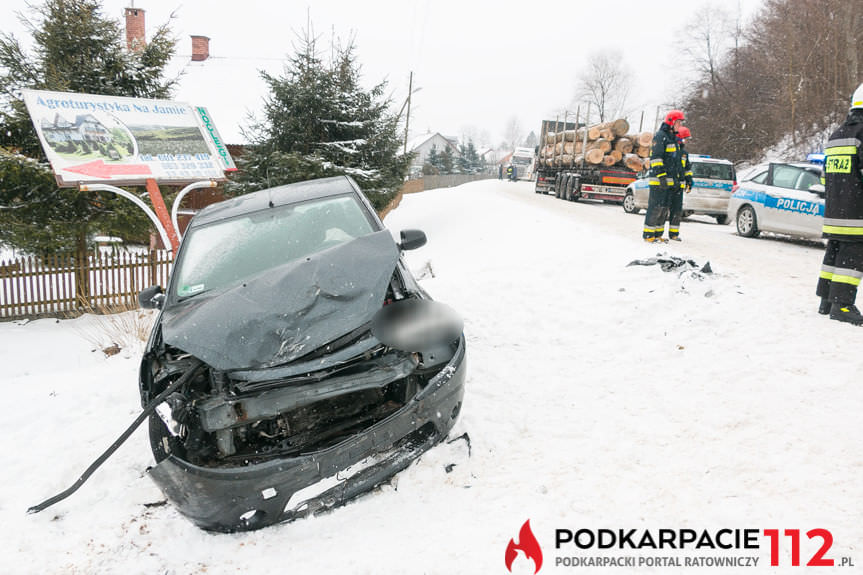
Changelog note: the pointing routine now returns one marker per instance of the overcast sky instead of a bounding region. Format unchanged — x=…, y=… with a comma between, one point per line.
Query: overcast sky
x=476, y=65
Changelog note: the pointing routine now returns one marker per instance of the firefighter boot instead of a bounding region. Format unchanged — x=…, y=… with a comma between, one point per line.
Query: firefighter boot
x=847, y=313
x=825, y=306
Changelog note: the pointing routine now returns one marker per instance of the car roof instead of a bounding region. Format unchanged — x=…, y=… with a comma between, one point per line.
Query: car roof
x=707, y=159
x=804, y=165
x=277, y=196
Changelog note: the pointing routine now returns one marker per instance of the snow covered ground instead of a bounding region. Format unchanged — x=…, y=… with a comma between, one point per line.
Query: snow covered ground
x=598, y=396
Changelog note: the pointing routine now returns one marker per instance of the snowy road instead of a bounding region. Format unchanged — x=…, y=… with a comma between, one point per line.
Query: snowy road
x=598, y=396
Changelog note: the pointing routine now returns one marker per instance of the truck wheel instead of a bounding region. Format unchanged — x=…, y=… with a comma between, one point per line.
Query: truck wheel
x=557, y=186
x=564, y=187
x=722, y=220
x=629, y=203
x=574, y=188
x=747, y=224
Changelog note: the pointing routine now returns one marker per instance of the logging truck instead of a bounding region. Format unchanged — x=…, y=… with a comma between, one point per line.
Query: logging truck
x=596, y=162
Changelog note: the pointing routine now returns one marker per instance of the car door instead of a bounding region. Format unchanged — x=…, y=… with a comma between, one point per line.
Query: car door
x=791, y=207
x=753, y=191
x=806, y=207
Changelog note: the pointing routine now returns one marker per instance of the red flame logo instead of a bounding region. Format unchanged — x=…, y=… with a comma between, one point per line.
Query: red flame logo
x=527, y=544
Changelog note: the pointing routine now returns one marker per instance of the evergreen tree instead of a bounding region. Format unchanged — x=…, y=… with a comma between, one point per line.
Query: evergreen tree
x=468, y=161
x=462, y=161
x=76, y=49
x=430, y=166
x=447, y=161
x=318, y=121
x=434, y=157
x=473, y=160
x=438, y=161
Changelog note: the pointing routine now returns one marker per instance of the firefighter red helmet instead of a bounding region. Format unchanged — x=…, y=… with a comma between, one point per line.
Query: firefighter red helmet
x=683, y=132
x=673, y=116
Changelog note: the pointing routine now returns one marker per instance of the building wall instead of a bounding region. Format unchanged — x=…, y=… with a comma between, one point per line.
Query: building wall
x=423, y=150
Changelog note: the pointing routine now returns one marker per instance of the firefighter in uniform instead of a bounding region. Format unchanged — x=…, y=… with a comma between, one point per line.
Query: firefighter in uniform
x=661, y=179
x=842, y=269
x=682, y=184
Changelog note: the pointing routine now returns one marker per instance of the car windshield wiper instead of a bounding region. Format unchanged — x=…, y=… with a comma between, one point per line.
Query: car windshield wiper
x=190, y=296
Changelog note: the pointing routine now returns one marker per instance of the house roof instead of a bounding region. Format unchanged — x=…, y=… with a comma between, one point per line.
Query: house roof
x=418, y=141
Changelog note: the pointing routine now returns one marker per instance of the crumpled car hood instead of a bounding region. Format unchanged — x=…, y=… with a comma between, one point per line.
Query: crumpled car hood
x=285, y=313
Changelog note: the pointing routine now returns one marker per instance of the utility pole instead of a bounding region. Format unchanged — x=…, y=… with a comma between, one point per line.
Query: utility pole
x=408, y=117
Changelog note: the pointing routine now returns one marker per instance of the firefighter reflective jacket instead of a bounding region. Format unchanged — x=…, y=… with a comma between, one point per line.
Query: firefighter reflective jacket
x=843, y=162
x=662, y=156
x=683, y=175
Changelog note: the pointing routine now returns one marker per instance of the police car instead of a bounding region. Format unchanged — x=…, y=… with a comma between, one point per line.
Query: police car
x=713, y=182
x=786, y=198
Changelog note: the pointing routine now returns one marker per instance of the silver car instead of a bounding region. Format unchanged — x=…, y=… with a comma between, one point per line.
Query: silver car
x=713, y=182
x=786, y=198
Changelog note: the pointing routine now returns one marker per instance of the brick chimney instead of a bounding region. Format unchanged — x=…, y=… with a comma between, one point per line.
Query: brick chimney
x=135, y=32
x=200, y=48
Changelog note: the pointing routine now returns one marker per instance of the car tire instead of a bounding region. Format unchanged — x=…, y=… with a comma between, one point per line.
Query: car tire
x=747, y=222
x=564, y=184
x=557, y=182
x=721, y=220
x=629, y=203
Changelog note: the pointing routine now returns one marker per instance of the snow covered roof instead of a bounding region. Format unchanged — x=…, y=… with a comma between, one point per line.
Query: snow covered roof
x=418, y=141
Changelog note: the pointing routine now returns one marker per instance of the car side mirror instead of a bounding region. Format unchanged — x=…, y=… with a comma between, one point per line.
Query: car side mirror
x=817, y=189
x=151, y=298
x=412, y=239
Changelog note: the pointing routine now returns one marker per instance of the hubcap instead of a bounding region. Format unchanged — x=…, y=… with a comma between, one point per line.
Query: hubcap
x=744, y=221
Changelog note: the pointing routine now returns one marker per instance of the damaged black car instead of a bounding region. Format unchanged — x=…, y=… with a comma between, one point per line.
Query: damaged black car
x=279, y=393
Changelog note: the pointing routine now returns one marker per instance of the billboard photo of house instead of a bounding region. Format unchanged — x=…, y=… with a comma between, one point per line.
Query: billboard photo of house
x=88, y=137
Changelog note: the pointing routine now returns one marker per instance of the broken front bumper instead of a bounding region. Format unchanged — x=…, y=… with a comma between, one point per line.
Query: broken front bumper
x=245, y=498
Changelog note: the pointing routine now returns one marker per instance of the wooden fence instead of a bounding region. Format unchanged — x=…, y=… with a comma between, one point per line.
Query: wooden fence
x=63, y=286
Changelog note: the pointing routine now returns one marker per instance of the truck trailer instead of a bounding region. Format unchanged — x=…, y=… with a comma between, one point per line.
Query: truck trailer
x=596, y=162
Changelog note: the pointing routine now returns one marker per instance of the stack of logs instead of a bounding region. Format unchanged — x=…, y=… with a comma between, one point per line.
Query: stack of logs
x=607, y=144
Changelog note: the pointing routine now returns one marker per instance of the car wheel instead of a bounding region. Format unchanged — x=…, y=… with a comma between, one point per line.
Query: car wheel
x=629, y=203
x=722, y=220
x=747, y=223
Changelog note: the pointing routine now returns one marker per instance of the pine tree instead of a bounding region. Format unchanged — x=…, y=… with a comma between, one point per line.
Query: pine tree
x=474, y=165
x=447, y=161
x=462, y=162
x=318, y=121
x=432, y=157
x=76, y=49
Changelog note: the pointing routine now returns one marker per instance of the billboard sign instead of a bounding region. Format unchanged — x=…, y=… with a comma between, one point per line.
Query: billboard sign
x=113, y=139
